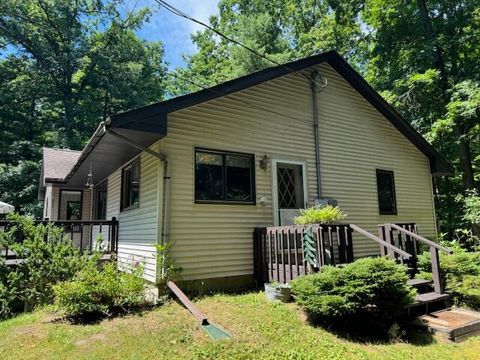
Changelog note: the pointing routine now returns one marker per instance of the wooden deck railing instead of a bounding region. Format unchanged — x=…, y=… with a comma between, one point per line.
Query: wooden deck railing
x=84, y=234
x=405, y=236
x=279, y=250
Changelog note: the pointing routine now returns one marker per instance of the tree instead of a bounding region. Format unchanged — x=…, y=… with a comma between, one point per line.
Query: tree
x=65, y=66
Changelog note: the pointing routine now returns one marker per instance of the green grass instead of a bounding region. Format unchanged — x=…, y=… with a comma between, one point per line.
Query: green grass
x=260, y=330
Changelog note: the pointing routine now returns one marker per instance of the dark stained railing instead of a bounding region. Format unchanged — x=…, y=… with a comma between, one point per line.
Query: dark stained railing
x=86, y=235
x=405, y=236
x=279, y=250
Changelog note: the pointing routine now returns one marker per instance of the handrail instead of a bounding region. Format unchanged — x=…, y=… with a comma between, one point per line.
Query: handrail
x=395, y=249
x=421, y=238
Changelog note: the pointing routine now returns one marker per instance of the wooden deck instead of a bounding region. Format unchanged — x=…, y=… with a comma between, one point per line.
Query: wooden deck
x=83, y=235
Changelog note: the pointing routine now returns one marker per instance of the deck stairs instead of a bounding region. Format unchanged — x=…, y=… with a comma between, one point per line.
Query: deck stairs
x=282, y=253
x=430, y=295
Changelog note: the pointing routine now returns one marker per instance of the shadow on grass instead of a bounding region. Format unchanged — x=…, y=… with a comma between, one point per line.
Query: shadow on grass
x=364, y=329
x=93, y=318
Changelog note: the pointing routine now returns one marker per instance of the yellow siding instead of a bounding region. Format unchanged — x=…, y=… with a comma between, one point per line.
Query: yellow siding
x=355, y=140
x=137, y=227
x=216, y=240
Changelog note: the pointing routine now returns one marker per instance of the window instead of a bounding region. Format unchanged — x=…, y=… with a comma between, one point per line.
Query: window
x=100, y=201
x=222, y=177
x=387, y=202
x=131, y=185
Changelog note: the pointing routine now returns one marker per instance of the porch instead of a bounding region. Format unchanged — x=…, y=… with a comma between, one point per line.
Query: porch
x=282, y=253
x=85, y=235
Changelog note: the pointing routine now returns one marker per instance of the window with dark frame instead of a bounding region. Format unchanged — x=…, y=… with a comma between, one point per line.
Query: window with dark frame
x=387, y=201
x=131, y=185
x=224, y=177
x=100, y=201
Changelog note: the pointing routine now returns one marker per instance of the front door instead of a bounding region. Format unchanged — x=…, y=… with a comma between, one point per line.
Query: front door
x=289, y=191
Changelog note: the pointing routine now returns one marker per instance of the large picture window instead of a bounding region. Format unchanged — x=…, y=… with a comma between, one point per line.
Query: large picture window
x=131, y=185
x=100, y=201
x=387, y=201
x=224, y=177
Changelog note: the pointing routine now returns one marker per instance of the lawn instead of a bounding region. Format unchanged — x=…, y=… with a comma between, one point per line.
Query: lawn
x=260, y=330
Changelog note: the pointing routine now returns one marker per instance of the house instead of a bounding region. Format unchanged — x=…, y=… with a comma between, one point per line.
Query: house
x=205, y=169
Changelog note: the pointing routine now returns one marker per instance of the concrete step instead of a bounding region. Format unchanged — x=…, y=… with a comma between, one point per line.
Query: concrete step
x=418, y=282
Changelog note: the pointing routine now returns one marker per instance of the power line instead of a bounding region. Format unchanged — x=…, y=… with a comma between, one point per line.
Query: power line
x=182, y=14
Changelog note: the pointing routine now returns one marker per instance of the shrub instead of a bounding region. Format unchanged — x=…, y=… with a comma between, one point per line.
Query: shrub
x=317, y=214
x=95, y=291
x=372, y=286
x=472, y=207
x=459, y=273
x=49, y=259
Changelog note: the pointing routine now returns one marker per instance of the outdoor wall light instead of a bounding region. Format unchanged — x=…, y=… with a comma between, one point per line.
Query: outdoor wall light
x=264, y=161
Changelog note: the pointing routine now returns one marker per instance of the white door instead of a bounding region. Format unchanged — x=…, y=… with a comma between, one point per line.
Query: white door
x=289, y=190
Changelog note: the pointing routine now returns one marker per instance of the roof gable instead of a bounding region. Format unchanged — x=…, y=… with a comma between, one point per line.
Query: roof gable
x=154, y=116
x=57, y=163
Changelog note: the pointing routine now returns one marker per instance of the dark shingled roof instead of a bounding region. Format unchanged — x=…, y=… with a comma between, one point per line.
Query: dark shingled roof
x=57, y=163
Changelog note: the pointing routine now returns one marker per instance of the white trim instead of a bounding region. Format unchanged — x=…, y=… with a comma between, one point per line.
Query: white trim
x=275, y=162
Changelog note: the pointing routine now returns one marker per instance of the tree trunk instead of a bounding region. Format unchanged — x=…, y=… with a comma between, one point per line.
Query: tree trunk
x=439, y=64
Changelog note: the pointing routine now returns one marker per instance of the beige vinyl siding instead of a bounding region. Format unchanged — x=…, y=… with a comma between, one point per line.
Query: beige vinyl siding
x=216, y=240
x=138, y=227
x=355, y=140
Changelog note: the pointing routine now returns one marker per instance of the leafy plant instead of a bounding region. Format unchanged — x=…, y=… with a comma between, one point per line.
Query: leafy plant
x=472, y=207
x=100, y=291
x=371, y=287
x=319, y=214
x=48, y=258
x=166, y=265
x=460, y=274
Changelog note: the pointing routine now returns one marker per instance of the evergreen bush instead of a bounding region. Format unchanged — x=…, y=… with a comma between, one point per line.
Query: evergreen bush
x=375, y=287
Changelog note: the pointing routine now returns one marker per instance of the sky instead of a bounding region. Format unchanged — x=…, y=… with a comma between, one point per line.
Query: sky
x=172, y=30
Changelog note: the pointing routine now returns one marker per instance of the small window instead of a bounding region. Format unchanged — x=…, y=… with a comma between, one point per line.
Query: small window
x=100, y=201
x=222, y=177
x=387, y=202
x=131, y=185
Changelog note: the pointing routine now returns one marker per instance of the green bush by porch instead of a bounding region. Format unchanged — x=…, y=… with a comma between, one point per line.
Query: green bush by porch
x=372, y=286
x=460, y=274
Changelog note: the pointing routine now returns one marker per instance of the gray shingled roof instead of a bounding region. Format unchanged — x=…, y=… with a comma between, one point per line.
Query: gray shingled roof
x=57, y=163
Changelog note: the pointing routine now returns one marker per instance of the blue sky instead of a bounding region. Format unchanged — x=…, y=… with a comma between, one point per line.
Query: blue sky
x=172, y=30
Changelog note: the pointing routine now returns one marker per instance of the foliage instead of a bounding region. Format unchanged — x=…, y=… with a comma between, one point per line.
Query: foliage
x=48, y=259
x=319, y=214
x=68, y=65
x=18, y=186
x=169, y=271
x=96, y=290
x=472, y=208
x=373, y=286
x=459, y=273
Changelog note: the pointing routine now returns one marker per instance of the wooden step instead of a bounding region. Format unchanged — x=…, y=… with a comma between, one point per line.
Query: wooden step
x=418, y=282
x=427, y=298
